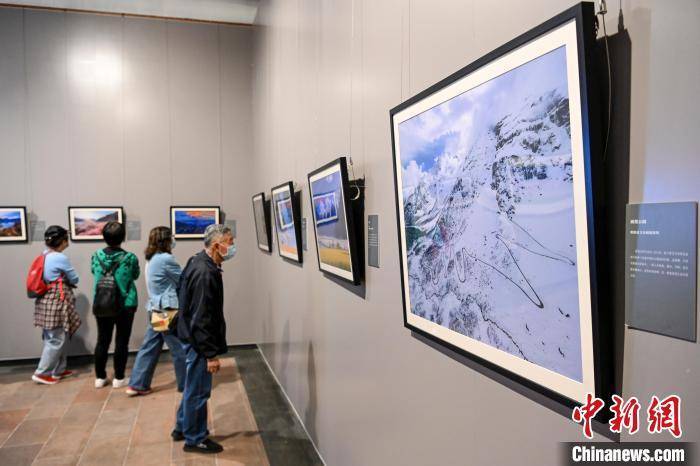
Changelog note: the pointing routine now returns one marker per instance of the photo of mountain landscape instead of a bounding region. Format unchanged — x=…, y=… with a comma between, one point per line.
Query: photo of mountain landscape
x=191, y=222
x=86, y=223
x=13, y=224
x=487, y=186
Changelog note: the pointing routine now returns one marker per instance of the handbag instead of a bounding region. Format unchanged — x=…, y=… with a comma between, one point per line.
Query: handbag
x=162, y=321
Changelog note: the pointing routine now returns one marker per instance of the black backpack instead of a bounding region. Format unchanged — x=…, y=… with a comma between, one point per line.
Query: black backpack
x=108, y=298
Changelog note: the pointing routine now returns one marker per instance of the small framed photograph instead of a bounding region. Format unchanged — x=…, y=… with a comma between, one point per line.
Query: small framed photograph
x=336, y=239
x=86, y=223
x=261, y=214
x=13, y=225
x=191, y=222
x=288, y=222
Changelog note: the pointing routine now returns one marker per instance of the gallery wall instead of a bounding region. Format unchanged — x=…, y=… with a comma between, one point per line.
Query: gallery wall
x=326, y=75
x=109, y=110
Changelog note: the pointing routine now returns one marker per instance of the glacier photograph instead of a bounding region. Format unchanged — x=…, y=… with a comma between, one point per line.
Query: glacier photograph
x=488, y=209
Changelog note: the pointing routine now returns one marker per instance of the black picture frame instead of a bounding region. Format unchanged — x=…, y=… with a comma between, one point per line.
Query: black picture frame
x=601, y=358
x=23, y=237
x=340, y=166
x=96, y=237
x=265, y=229
x=191, y=236
x=294, y=222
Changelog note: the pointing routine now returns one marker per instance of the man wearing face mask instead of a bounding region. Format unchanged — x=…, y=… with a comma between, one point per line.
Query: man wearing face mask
x=202, y=329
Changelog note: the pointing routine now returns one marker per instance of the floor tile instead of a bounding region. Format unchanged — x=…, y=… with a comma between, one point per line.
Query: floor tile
x=82, y=414
x=149, y=455
x=19, y=456
x=47, y=411
x=32, y=432
x=9, y=420
x=105, y=451
x=62, y=461
x=66, y=442
x=115, y=423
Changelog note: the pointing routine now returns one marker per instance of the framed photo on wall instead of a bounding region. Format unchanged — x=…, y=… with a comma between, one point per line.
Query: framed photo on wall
x=334, y=228
x=86, y=223
x=287, y=221
x=261, y=214
x=13, y=225
x=188, y=222
x=494, y=199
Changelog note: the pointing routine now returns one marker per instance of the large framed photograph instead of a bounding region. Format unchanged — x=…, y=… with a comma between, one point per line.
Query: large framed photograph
x=495, y=210
x=190, y=222
x=13, y=225
x=261, y=214
x=287, y=222
x=87, y=223
x=334, y=228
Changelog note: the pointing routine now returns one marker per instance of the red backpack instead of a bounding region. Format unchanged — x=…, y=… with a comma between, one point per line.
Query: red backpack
x=36, y=286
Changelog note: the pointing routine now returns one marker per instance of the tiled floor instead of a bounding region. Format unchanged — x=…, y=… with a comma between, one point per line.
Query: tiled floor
x=73, y=423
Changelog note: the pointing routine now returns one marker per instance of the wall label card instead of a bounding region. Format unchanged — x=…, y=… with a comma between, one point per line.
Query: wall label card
x=373, y=240
x=133, y=230
x=37, y=229
x=304, y=243
x=661, y=268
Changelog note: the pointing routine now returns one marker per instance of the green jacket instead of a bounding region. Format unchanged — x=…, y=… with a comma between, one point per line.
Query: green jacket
x=125, y=275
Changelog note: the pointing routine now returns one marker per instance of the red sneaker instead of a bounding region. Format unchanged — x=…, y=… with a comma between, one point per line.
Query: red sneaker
x=64, y=374
x=45, y=379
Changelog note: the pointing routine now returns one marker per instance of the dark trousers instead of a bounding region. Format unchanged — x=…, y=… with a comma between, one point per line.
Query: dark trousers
x=123, y=321
x=192, y=413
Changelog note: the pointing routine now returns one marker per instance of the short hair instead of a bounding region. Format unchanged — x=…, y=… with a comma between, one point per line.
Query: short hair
x=114, y=234
x=214, y=232
x=55, y=235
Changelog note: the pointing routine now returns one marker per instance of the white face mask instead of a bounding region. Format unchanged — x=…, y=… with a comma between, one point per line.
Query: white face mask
x=173, y=243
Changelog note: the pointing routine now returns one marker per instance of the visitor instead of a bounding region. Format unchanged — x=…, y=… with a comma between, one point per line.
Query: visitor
x=55, y=311
x=202, y=329
x=162, y=276
x=124, y=267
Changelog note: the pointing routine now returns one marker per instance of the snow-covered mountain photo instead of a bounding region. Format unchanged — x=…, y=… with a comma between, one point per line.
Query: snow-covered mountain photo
x=489, y=215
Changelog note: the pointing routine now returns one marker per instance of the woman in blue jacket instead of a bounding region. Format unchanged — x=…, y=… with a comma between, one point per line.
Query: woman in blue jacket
x=162, y=276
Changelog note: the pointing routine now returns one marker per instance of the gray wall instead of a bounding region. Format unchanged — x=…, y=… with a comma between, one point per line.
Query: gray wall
x=105, y=110
x=327, y=73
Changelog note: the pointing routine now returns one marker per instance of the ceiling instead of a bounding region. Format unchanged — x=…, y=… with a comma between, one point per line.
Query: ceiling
x=227, y=11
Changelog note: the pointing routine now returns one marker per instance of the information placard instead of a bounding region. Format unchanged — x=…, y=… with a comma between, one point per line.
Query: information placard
x=661, y=268
x=373, y=240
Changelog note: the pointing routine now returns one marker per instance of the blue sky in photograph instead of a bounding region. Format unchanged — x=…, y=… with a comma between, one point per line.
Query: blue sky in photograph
x=11, y=215
x=92, y=214
x=454, y=124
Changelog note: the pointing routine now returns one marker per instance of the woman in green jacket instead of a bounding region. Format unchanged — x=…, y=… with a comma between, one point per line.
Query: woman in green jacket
x=125, y=266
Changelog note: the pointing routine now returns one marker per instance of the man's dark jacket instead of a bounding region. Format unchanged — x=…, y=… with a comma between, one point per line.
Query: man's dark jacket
x=201, y=292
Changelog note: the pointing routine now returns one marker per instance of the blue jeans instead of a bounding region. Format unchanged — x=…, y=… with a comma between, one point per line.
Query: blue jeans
x=147, y=358
x=192, y=413
x=55, y=352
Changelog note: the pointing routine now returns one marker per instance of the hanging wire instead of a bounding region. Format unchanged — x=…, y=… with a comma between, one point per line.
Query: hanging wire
x=602, y=10
x=354, y=181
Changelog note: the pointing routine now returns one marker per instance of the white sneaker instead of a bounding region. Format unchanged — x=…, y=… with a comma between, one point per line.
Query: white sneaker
x=119, y=383
x=101, y=383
